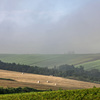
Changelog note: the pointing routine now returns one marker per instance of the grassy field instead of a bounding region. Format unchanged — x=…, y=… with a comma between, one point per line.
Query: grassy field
x=90, y=65
x=31, y=80
x=51, y=60
x=84, y=94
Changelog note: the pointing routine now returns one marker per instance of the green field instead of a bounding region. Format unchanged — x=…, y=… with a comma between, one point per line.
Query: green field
x=90, y=65
x=50, y=60
x=84, y=94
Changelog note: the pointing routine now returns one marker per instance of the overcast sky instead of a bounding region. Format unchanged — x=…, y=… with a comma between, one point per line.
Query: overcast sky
x=49, y=26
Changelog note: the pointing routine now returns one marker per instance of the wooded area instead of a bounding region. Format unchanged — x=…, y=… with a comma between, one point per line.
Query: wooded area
x=66, y=71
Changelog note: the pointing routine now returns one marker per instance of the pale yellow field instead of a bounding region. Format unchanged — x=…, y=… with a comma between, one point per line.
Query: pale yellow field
x=31, y=80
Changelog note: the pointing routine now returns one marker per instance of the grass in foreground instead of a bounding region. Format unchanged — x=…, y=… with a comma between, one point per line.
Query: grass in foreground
x=84, y=94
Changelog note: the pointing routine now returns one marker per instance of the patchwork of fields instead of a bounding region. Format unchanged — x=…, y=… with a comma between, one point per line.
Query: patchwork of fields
x=50, y=60
x=16, y=79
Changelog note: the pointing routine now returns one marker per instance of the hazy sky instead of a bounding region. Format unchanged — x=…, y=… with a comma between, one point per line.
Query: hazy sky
x=49, y=26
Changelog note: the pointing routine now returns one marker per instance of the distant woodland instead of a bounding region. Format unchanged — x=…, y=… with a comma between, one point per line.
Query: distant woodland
x=66, y=71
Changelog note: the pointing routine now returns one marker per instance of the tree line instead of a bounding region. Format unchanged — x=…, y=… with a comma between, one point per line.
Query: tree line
x=66, y=71
x=10, y=90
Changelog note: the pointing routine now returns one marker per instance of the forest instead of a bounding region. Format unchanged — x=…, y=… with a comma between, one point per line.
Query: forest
x=66, y=71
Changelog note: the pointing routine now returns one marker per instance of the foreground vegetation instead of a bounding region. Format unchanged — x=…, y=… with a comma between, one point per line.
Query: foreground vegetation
x=84, y=94
x=51, y=60
x=66, y=71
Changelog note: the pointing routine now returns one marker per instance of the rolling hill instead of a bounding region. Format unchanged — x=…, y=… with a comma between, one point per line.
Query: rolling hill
x=51, y=60
x=31, y=80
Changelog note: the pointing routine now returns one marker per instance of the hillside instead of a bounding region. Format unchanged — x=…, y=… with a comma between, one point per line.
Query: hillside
x=91, y=65
x=31, y=80
x=51, y=60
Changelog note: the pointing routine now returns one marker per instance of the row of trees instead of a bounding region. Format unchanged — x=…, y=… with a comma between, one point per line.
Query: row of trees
x=17, y=90
x=67, y=71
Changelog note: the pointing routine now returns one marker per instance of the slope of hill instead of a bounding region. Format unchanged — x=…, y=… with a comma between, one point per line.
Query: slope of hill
x=51, y=60
x=90, y=65
x=31, y=80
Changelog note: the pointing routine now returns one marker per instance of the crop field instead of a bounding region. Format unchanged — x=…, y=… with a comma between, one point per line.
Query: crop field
x=90, y=65
x=51, y=60
x=17, y=79
x=84, y=94
x=72, y=89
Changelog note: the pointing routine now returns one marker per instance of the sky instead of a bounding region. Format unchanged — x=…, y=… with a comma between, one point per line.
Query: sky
x=49, y=26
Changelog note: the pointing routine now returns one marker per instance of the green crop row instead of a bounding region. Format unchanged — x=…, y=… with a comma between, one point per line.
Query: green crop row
x=84, y=94
x=90, y=65
x=50, y=60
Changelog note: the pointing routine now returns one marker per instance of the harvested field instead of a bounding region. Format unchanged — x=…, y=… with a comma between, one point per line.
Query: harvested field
x=31, y=80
